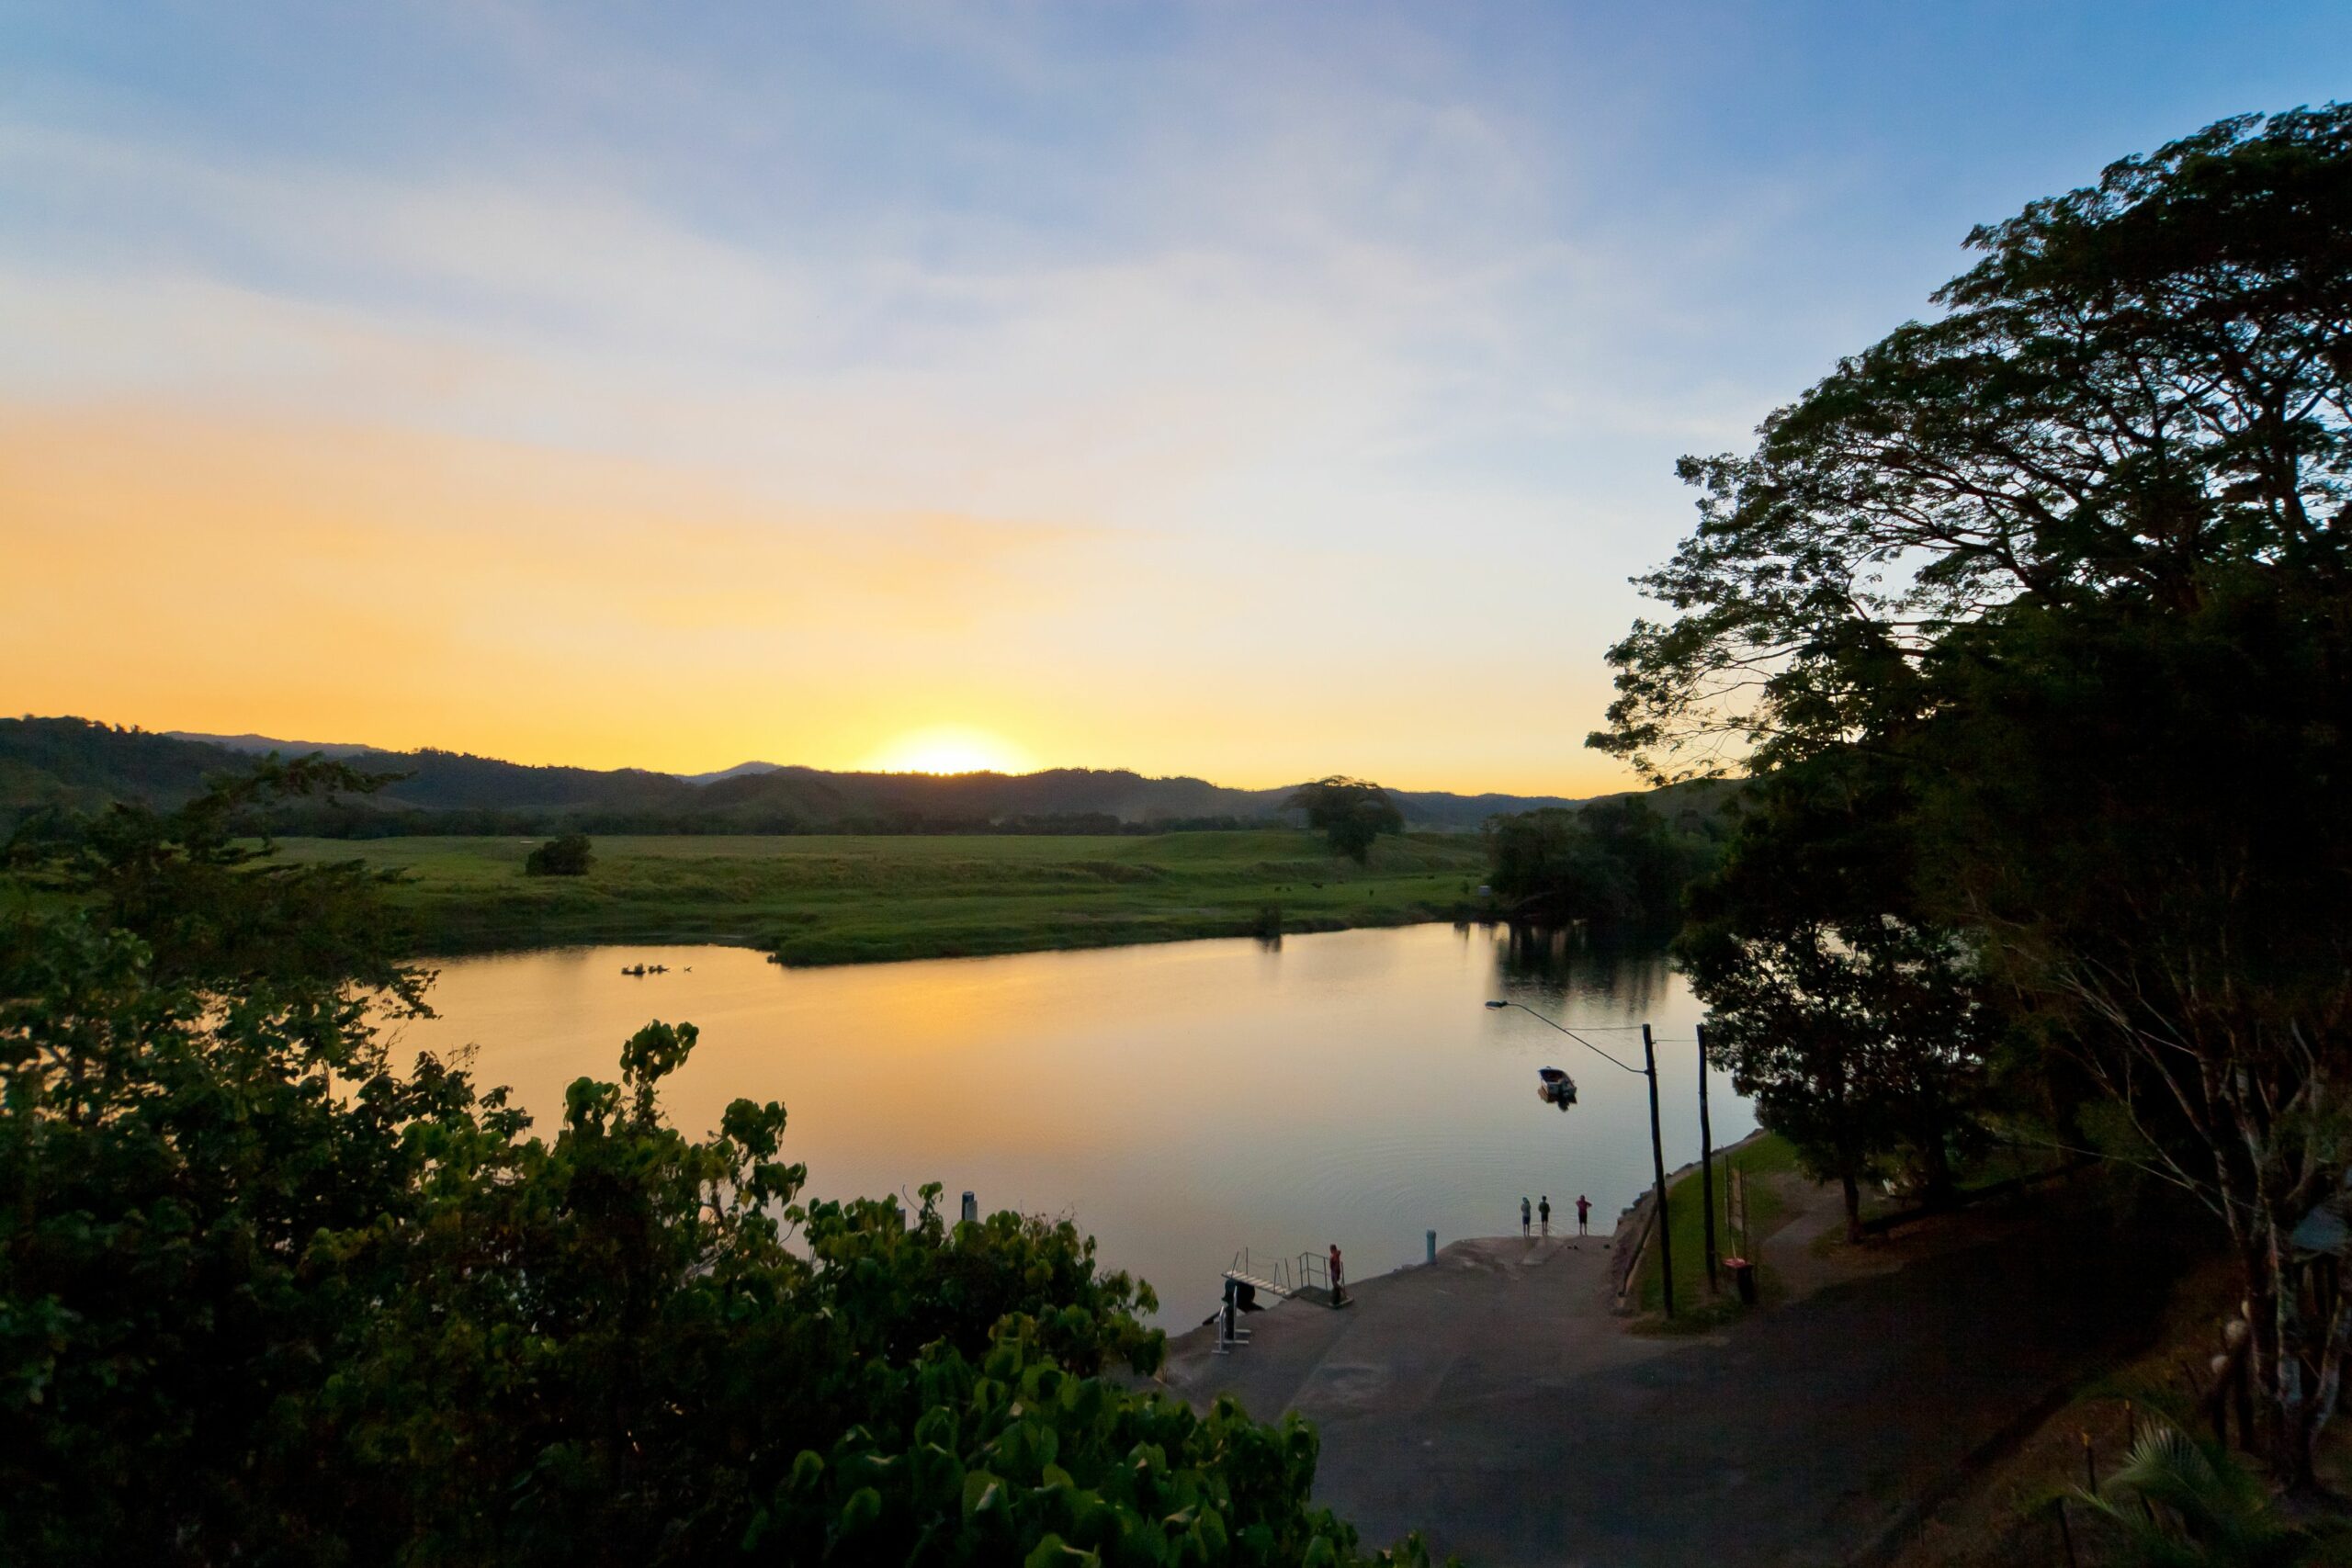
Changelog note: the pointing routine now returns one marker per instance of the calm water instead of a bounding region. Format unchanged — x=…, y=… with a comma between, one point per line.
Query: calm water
x=1179, y=1101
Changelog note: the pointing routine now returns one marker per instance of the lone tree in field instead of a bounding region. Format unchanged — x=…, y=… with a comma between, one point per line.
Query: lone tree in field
x=567, y=856
x=2069, y=567
x=1350, y=812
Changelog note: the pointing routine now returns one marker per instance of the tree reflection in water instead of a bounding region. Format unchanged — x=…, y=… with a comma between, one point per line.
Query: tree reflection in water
x=1557, y=968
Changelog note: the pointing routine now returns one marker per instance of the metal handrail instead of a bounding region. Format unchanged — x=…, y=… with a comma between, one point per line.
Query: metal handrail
x=1273, y=1272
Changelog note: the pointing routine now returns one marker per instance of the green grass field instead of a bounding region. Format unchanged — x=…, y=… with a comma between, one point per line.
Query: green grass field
x=845, y=900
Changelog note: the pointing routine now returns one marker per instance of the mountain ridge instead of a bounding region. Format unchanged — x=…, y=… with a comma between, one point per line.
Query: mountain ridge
x=81, y=763
x=262, y=745
x=738, y=771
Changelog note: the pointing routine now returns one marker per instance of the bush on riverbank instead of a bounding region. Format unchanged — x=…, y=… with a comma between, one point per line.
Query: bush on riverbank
x=566, y=856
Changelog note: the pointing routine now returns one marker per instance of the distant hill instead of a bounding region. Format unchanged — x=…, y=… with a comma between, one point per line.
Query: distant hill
x=738, y=771
x=262, y=745
x=74, y=762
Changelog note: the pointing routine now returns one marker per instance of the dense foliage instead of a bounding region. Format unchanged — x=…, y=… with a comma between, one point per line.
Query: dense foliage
x=2042, y=610
x=212, y=905
x=1351, y=814
x=2181, y=1503
x=567, y=856
x=1621, y=865
x=265, y=1298
x=1856, y=1022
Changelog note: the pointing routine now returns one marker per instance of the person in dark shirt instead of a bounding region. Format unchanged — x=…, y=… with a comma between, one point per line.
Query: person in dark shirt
x=1545, y=1209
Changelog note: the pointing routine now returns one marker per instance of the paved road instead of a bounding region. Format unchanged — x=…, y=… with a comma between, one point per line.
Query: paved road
x=1491, y=1401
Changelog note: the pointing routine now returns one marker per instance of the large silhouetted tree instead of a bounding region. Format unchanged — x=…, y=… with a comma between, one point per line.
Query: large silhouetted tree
x=1855, y=1018
x=2072, y=560
x=1351, y=814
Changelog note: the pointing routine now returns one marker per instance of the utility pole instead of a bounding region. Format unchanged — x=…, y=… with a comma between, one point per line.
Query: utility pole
x=1657, y=1166
x=1706, y=1160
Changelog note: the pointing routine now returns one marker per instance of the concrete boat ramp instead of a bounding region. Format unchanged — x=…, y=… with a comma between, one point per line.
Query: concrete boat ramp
x=1530, y=1310
x=1492, y=1400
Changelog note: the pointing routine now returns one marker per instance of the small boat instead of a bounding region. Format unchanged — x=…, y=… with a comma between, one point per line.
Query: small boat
x=1556, y=1087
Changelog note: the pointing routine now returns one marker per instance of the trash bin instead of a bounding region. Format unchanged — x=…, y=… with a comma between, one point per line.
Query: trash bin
x=1743, y=1277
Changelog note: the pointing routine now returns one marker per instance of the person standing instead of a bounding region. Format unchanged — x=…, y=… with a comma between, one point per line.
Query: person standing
x=1584, y=1214
x=1338, y=1282
x=1546, y=1210
x=1526, y=1218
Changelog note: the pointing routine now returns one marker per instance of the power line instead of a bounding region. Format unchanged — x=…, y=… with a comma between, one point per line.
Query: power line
x=1637, y=1072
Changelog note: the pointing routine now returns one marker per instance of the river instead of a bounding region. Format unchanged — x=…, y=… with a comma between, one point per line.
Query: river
x=1179, y=1101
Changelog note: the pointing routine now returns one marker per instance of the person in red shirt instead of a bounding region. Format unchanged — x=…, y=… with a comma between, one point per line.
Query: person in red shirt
x=1584, y=1213
x=1338, y=1289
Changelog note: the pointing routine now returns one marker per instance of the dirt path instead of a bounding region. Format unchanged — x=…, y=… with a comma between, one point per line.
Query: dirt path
x=1492, y=1400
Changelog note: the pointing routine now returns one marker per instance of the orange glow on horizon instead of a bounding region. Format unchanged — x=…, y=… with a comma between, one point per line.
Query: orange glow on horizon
x=312, y=581
x=950, y=749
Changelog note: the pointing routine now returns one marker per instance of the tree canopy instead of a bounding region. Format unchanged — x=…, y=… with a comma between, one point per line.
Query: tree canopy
x=2143, y=383
x=2054, y=585
x=1350, y=812
x=1621, y=865
x=1854, y=1018
x=568, y=855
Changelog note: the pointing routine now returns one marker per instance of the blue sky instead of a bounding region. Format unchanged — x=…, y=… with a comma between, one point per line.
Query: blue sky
x=1253, y=390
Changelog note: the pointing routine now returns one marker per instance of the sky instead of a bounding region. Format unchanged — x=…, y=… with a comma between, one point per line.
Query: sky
x=1254, y=391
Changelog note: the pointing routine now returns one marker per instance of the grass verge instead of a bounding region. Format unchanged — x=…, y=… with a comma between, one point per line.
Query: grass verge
x=1694, y=1307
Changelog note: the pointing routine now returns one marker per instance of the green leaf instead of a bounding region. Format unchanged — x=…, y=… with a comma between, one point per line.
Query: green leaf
x=1050, y=1552
x=865, y=1506
x=984, y=1493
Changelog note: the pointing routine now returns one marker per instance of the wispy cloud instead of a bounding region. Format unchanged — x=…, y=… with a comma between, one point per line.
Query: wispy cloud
x=1221, y=385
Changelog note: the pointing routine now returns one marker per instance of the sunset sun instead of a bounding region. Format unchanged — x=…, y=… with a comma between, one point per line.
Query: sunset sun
x=950, y=749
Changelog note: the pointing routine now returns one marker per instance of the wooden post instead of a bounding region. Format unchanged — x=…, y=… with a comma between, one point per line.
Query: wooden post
x=1706, y=1160
x=1658, y=1167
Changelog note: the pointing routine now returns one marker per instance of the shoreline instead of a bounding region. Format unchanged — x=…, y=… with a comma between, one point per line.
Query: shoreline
x=813, y=955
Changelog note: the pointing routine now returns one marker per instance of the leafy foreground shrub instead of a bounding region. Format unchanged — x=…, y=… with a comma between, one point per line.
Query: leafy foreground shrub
x=2181, y=1503
x=264, y=1300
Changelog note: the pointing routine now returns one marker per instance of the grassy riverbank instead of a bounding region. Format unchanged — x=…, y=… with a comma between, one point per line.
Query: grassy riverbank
x=1766, y=1157
x=846, y=899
